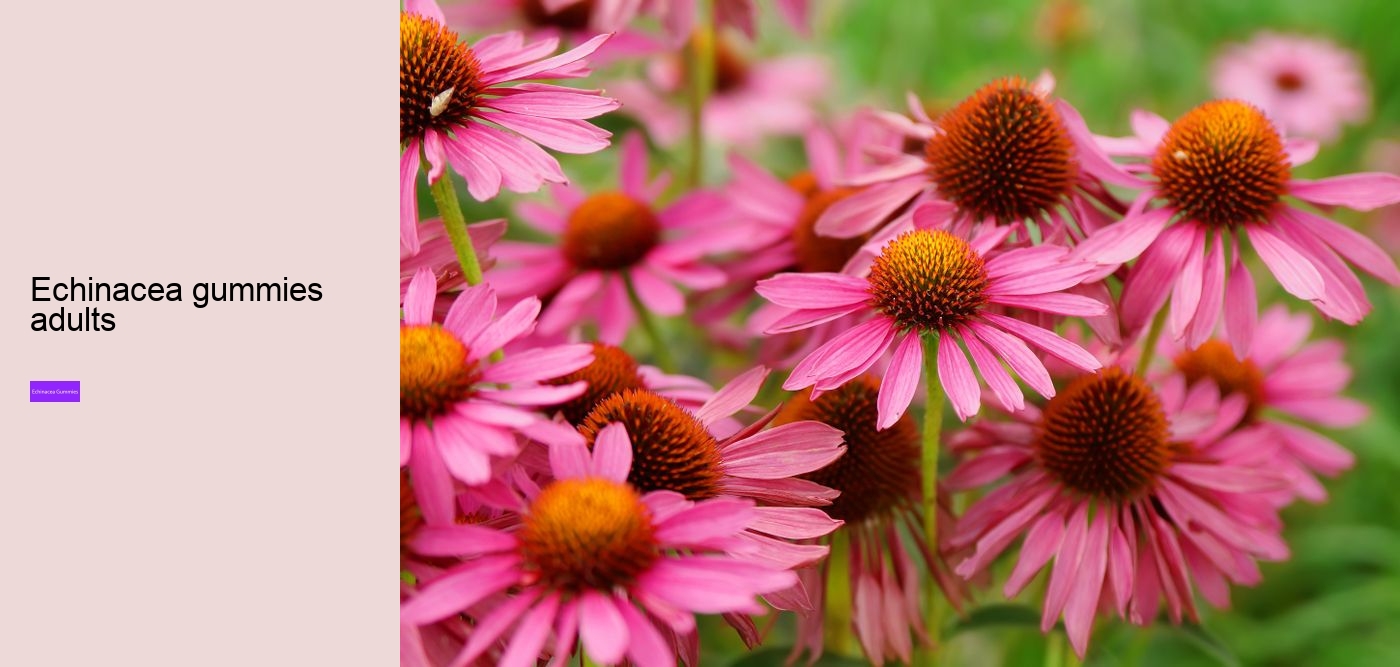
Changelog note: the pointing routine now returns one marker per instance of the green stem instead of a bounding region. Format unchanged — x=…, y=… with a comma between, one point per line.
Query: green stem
x=1054, y=649
x=445, y=196
x=1149, y=344
x=838, y=595
x=933, y=425
x=701, y=67
x=659, y=349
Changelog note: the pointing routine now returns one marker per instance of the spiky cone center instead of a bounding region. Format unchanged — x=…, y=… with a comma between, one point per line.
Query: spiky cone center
x=1223, y=163
x=436, y=371
x=572, y=17
x=671, y=449
x=1002, y=153
x=1105, y=436
x=610, y=231
x=439, y=77
x=1215, y=360
x=879, y=472
x=613, y=371
x=817, y=253
x=587, y=534
x=928, y=280
x=731, y=68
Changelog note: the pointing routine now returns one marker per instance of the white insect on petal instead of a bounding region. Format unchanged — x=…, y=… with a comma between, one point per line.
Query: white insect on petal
x=440, y=101
x=1180, y=155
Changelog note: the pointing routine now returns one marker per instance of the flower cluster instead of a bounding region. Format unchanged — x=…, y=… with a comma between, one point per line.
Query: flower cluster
x=559, y=495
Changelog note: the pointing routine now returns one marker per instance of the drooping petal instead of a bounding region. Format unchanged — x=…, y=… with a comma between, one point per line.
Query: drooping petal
x=1362, y=192
x=901, y=381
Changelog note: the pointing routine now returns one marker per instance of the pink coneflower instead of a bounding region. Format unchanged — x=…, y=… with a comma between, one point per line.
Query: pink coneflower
x=593, y=558
x=1131, y=492
x=879, y=481
x=935, y=283
x=1284, y=375
x=456, y=107
x=977, y=167
x=1222, y=171
x=752, y=98
x=1311, y=87
x=610, y=240
x=454, y=410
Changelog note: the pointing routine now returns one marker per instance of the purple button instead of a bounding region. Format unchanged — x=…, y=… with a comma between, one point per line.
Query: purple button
x=54, y=391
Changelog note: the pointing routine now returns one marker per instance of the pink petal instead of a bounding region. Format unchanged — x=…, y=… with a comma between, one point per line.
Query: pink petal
x=1041, y=544
x=612, y=453
x=1047, y=340
x=783, y=451
x=1349, y=243
x=901, y=380
x=1064, y=575
x=646, y=647
x=733, y=397
x=1084, y=599
x=530, y=634
x=405, y=441
x=1294, y=272
x=460, y=588
x=1208, y=308
x=1186, y=290
x=1362, y=192
x=1126, y=239
x=1017, y=355
x=1000, y=382
x=657, y=295
x=956, y=375
x=1091, y=159
x=814, y=290
x=461, y=540
x=408, y=197
x=602, y=628
x=561, y=134
x=705, y=521
x=431, y=482
x=1241, y=309
x=796, y=523
x=866, y=209
x=490, y=627
x=857, y=348
x=418, y=300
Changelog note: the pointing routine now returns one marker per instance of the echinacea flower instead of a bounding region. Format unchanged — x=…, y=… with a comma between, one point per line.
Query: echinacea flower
x=1284, y=375
x=931, y=282
x=1008, y=154
x=613, y=241
x=1130, y=491
x=458, y=106
x=593, y=558
x=752, y=98
x=879, y=481
x=1221, y=173
x=455, y=410
x=573, y=21
x=1311, y=87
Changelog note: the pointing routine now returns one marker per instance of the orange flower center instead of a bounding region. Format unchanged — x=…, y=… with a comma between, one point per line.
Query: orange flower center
x=1223, y=163
x=587, y=534
x=816, y=253
x=572, y=17
x=671, y=449
x=928, y=280
x=1105, y=435
x=1002, y=153
x=439, y=77
x=613, y=371
x=1215, y=360
x=435, y=371
x=610, y=231
x=880, y=470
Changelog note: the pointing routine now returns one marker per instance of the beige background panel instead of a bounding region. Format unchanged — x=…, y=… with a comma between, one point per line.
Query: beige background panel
x=219, y=496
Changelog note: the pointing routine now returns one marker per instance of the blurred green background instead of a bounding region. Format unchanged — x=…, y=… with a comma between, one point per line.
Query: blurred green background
x=1337, y=600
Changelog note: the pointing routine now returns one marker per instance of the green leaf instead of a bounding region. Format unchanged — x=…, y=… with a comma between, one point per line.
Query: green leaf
x=776, y=656
x=994, y=615
x=1208, y=644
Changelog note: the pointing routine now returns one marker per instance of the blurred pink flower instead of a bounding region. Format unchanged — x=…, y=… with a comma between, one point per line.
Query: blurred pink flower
x=572, y=21
x=678, y=16
x=595, y=560
x=455, y=411
x=932, y=282
x=752, y=98
x=1284, y=376
x=1310, y=87
x=436, y=254
x=1131, y=491
x=455, y=108
x=1223, y=170
x=610, y=240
